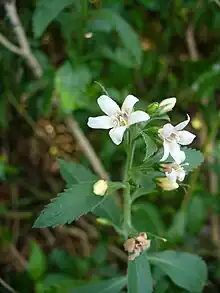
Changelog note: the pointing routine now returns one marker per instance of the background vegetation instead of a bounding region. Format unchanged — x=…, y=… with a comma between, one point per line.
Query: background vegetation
x=153, y=49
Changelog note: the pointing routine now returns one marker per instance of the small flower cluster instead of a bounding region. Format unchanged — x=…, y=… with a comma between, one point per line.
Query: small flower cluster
x=119, y=119
x=173, y=137
x=134, y=246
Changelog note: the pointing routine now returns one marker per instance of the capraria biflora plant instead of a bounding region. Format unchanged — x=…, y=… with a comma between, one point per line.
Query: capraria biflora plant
x=155, y=162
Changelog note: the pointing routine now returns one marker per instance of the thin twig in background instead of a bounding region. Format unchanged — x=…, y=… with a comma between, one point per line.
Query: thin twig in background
x=37, y=70
x=191, y=43
x=7, y=286
x=217, y=2
x=11, y=47
x=209, y=145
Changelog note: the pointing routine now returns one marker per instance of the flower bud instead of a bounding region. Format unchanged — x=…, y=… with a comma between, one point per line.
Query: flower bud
x=152, y=108
x=167, y=105
x=165, y=184
x=100, y=187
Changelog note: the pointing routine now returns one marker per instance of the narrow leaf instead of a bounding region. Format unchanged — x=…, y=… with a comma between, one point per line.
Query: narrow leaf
x=110, y=286
x=186, y=270
x=139, y=275
x=37, y=262
x=68, y=206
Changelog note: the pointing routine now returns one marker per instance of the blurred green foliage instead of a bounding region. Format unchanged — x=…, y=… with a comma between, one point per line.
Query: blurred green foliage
x=151, y=48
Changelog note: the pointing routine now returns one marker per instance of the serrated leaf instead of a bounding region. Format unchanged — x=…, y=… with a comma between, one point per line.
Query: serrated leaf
x=151, y=146
x=110, y=286
x=193, y=157
x=37, y=262
x=69, y=206
x=139, y=275
x=74, y=173
x=46, y=12
x=186, y=270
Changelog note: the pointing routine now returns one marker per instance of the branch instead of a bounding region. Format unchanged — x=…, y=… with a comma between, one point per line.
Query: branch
x=11, y=47
x=217, y=2
x=22, y=39
x=7, y=286
x=74, y=128
x=191, y=43
x=37, y=70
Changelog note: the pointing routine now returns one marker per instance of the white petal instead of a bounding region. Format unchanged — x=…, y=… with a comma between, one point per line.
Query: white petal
x=176, y=153
x=129, y=103
x=166, y=151
x=183, y=124
x=166, y=131
x=185, y=137
x=181, y=175
x=138, y=116
x=172, y=176
x=100, y=122
x=107, y=105
x=167, y=104
x=117, y=133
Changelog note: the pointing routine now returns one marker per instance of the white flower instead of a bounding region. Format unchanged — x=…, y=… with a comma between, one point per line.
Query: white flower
x=173, y=136
x=174, y=172
x=117, y=119
x=167, y=105
x=100, y=187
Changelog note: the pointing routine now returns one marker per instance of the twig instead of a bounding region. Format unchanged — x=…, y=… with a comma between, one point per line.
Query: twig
x=191, y=43
x=217, y=2
x=17, y=256
x=78, y=233
x=38, y=72
x=7, y=286
x=74, y=128
x=22, y=39
x=11, y=47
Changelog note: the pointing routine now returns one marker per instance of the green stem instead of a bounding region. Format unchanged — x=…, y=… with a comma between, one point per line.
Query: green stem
x=127, y=225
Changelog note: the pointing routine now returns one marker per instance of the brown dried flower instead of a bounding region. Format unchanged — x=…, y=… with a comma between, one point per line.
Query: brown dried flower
x=136, y=245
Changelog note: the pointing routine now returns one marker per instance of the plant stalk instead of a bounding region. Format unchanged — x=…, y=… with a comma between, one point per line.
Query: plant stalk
x=127, y=225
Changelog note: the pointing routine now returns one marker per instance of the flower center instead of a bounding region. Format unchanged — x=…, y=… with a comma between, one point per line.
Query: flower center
x=120, y=119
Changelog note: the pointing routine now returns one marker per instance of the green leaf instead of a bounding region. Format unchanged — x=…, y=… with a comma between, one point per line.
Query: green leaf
x=193, y=157
x=109, y=211
x=69, y=206
x=46, y=12
x=139, y=275
x=146, y=217
x=120, y=55
x=178, y=227
x=186, y=270
x=58, y=283
x=74, y=173
x=151, y=146
x=37, y=262
x=70, y=84
x=127, y=35
x=110, y=286
x=196, y=220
